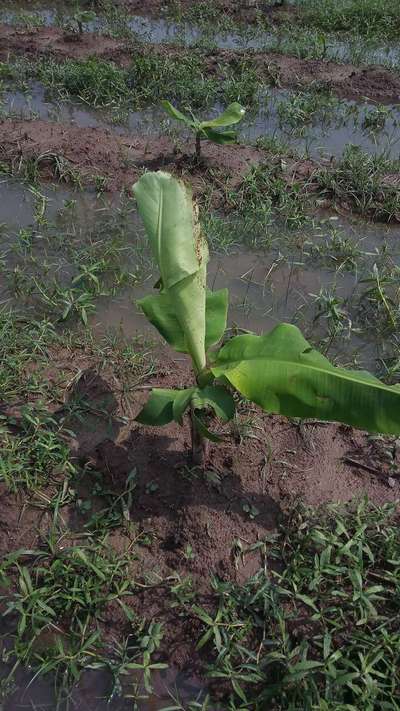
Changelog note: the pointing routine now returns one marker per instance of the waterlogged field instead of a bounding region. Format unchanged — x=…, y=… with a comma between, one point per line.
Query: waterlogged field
x=129, y=578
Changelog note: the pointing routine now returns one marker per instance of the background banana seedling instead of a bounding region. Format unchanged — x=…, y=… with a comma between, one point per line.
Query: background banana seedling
x=215, y=129
x=279, y=371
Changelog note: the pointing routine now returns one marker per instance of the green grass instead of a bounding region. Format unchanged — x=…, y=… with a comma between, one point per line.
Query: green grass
x=34, y=453
x=359, y=177
x=61, y=595
x=369, y=18
x=315, y=628
x=318, y=628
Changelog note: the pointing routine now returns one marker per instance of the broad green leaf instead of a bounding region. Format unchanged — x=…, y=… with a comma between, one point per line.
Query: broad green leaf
x=283, y=374
x=232, y=114
x=181, y=403
x=158, y=409
x=216, y=315
x=220, y=137
x=165, y=205
x=163, y=406
x=176, y=114
x=218, y=398
x=159, y=310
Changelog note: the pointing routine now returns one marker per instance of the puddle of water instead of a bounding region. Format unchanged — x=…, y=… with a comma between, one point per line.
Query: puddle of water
x=162, y=30
x=35, y=103
x=283, y=284
x=94, y=689
x=147, y=29
x=277, y=117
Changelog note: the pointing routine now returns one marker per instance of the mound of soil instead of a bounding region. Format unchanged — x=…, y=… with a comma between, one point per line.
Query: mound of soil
x=345, y=80
x=192, y=520
x=121, y=160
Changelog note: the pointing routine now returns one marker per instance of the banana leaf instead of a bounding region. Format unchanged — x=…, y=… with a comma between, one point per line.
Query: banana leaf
x=171, y=222
x=232, y=114
x=159, y=309
x=282, y=373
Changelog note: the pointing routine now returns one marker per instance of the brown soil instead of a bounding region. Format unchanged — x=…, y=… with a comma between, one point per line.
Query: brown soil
x=346, y=80
x=272, y=465
x=121, y=160
x=70, y=153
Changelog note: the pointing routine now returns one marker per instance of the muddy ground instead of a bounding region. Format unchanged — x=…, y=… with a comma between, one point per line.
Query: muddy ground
x=190, y=519
x=265, y=464
x=121, y=160
x=346, y=80
x=98, y=158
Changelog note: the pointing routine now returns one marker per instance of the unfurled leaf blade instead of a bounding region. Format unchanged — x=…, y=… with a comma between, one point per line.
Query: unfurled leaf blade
x=221, y=137
x=160, y=311
x=232, y=115
x=158, y=409
x=216, y=397
x=283, y=374
x=216, y=315
x=165, y=205
x=181, y=403
x=176, y=114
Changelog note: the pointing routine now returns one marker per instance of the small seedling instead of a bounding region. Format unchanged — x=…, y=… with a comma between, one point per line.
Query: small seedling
x=214, y=130
x=188, y=552
x=151, y=487
x=279, y=371
x=252, y=511
x=83, y=17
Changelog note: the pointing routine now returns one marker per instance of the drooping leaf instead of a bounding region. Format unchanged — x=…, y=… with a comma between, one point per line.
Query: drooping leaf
x=283, y=374
x=164, y=406
x=159, y=310
x=158, y=410
x=176, y=114
x=216, y=397
x=232, y=115
x=204, y=431
x=165, y=205
x=221, y=137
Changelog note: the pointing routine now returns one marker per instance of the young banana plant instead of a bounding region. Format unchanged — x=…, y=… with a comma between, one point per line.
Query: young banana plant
x=279, y=371
x=214, y=130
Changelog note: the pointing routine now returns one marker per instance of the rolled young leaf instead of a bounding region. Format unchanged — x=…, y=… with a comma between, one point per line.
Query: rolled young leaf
x=166, y=208
x=281, y=372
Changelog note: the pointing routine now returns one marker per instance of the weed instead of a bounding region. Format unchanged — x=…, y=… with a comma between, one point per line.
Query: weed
x=322, y=633
x=94, y=81
x=61, y=596
x=35, y=452
x=360, y=177
x=363, y=17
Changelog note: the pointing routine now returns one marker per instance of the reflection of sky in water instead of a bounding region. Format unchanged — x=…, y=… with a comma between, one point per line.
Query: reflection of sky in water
x=159, y=30
x=265, y=286
x=324, y=135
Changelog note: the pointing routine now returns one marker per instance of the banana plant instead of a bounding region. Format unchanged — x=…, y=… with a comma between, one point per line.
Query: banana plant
x=279, y=370
x=83, y=17
x=214, y=130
